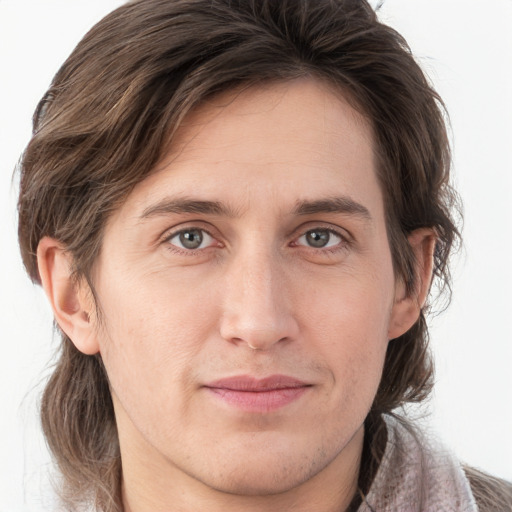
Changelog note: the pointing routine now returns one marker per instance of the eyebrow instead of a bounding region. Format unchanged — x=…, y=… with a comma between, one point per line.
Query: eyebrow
x=342, y=204
x=183, y=205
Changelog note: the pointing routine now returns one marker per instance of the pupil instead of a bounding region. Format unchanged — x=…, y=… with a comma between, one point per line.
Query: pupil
x=318, y=238
x=191, y=239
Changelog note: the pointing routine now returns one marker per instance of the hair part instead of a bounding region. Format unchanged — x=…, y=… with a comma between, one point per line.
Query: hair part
x=111, y=113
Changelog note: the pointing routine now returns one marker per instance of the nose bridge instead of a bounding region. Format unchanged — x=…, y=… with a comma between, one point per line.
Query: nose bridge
x=256, y=303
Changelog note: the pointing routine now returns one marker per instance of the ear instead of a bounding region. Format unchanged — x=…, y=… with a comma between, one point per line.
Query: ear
x=407, y=307
x=72, y=303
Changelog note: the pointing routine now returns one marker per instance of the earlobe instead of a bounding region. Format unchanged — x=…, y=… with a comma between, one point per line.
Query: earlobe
x=71, y=302
x=407, y=307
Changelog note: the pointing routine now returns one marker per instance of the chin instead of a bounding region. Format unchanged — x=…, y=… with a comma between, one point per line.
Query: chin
x=259, y=483
x=264, y=470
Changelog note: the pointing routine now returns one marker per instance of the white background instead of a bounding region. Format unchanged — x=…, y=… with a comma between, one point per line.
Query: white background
x=466, y=48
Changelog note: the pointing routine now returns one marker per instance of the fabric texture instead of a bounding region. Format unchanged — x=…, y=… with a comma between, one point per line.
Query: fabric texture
x=417, y=475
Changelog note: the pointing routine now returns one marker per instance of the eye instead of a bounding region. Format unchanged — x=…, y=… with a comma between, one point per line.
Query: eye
x=191, y=239
x=320, y=238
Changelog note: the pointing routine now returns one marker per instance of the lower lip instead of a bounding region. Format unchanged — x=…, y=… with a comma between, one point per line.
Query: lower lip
x=259, y=401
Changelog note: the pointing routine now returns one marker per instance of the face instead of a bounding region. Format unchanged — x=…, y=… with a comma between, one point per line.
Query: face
x=247, y=293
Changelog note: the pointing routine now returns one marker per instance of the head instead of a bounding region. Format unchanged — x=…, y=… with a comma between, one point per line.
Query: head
x=146, y=97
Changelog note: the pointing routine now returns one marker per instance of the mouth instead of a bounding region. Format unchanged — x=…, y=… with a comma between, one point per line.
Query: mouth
x=251, y=394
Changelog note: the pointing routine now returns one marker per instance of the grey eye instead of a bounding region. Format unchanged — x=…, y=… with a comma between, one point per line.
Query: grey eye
x=191, y=239
x=319, y=238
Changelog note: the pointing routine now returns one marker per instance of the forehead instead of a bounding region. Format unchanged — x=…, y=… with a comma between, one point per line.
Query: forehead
x=298, y=141
x=307, y=108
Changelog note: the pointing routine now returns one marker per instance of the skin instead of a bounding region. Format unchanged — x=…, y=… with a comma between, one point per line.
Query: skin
x=256, y=298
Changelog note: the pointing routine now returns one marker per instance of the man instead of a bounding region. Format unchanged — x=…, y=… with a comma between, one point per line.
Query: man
x=236, y=210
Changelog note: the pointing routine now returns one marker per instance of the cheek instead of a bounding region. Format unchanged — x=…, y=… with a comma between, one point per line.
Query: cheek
x=349, y=320
x=151, y=336
x=354, y=307
x=151, y=311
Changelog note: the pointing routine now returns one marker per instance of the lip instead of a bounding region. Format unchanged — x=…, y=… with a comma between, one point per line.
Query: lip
x=261, y=395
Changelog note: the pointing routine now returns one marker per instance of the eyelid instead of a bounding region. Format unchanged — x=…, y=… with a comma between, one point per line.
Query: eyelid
x=207, y=238
x=345, y=236
x=343, y=233
x=338, y=235
x=169, y=234
x=188, y=224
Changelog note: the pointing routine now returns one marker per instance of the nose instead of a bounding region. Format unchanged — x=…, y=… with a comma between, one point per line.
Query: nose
x=257, y=308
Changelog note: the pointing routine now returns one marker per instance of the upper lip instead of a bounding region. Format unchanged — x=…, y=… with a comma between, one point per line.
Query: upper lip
x=255, y=384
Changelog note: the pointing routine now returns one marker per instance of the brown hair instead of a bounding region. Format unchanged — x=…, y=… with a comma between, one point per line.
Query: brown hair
x=111, y=112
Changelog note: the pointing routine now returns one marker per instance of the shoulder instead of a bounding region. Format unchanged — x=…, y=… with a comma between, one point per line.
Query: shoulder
x=491, y=494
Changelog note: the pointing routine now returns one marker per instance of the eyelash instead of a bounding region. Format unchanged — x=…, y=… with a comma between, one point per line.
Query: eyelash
x=342, y=245
x=182, y=251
